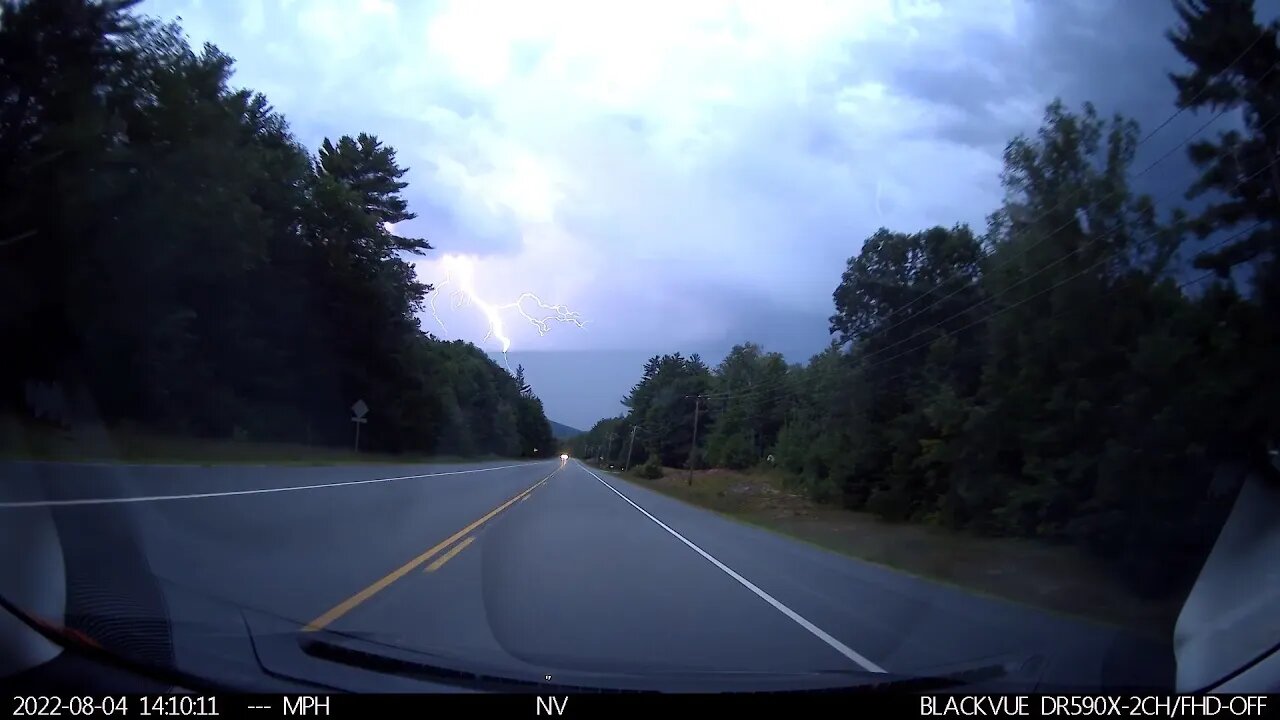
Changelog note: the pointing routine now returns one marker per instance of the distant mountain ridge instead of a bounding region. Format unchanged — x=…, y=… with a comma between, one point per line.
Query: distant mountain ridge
x=562, y=431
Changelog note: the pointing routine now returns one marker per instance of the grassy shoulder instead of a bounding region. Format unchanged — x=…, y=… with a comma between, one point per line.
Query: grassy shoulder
x=24, y=440
x=1059, y=579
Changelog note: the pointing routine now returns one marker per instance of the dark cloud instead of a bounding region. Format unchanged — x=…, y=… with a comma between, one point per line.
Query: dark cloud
x=758, y=315
x=1117, y=56
x=579, y=387
x=743, y=237
x=797, y=334
x=1114, y=54
x=1111, y=53
x=972, y=86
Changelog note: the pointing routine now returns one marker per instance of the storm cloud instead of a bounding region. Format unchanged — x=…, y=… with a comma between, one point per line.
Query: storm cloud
x=689, y=175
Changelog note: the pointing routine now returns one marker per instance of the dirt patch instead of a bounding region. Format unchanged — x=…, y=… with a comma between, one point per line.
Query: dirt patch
x=1051, y=577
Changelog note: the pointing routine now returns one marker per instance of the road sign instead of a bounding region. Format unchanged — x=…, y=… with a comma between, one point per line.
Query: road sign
x=359, y=409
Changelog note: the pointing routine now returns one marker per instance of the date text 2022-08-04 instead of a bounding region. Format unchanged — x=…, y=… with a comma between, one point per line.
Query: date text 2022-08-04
x=601, y=704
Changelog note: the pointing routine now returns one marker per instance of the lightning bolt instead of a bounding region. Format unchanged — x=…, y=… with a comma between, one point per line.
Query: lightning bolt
x=460, y=276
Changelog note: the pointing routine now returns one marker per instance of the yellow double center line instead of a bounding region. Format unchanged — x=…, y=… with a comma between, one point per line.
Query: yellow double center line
x=440, y=561
x=350, y=603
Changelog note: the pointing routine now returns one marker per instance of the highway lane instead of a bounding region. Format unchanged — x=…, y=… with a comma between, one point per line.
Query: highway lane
x=284, y=540
x=594, y=572
x=575, y=578
x=905, y=623
x=555, y=566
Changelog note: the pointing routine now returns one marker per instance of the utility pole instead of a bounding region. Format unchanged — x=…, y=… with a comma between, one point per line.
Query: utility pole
x=630, y=447
x=693, y=450
x=609, y=447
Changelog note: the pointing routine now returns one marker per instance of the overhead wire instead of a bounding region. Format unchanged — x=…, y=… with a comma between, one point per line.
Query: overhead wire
x=1088, y=243
x=1006, y=308
x=1117, y=193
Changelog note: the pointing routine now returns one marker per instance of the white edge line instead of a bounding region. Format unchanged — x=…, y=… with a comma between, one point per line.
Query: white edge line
x=795, y=616
x=230, y=493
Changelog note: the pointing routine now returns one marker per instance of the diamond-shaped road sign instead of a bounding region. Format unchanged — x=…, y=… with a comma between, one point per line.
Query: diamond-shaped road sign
x=360, y=409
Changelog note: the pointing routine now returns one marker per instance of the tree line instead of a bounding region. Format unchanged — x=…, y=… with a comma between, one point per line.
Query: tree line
x=1058, y=375
x=169, y=250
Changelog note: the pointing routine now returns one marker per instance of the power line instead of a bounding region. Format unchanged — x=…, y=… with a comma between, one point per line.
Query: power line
x=1230, y=66
x=1060, y=228
x=796, y=391
x=1008, y=262
x=867, y=368
x=1022, y=281
x=781, y=383
x=1038, y=272
x=1181, y=286
x=693, y=448
x=631, y=446
x=1056, y=314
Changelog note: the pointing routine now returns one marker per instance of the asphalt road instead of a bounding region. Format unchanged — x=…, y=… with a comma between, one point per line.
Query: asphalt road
x=546, y=563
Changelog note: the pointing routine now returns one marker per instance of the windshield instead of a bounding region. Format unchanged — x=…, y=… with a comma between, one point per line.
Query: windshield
x=874, y=338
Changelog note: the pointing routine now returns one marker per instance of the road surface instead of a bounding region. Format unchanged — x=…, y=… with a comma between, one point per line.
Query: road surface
x=544, y=562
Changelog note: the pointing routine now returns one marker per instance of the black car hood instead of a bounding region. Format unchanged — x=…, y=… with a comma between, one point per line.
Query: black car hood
x=369, y=662
x=251, y=650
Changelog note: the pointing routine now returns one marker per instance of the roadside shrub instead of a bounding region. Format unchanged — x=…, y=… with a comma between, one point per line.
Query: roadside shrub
x=651, y=469
x=890, y=502
x=821, y=490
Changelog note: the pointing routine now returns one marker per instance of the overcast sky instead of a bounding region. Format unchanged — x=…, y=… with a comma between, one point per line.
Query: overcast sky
x=685, y=175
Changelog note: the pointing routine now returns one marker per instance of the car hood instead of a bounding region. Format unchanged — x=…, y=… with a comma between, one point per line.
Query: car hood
x=375, y=662
x=252, y=650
